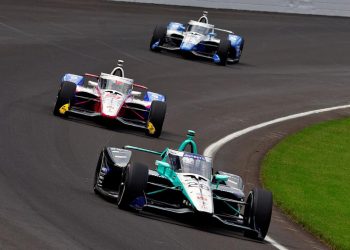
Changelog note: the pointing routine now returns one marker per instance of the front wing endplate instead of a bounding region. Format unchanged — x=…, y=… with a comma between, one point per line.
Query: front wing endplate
x=64, y=109
x=150, y=127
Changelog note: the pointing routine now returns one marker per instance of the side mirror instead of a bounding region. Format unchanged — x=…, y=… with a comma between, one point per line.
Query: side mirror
x=93, y=84
x=220, y=177
x=136, y=93
x=162, y=167
x=212, y=34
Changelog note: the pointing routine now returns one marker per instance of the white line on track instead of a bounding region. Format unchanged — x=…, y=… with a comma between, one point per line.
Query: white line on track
x=274, y=243
x=214, y=147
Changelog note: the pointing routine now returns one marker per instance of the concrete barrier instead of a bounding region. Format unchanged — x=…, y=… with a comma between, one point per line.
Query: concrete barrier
x=314, y=7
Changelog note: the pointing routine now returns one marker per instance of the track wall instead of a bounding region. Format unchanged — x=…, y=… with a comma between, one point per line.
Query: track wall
x=315, y=7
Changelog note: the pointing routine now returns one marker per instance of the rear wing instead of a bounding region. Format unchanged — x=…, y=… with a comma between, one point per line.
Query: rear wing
x=222, y=30
x=145, y=150
x=139, y=86
x=189, y=141
x=91, y=75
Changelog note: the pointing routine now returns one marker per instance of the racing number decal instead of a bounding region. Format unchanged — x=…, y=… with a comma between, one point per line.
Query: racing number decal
x=64, y=109
x=151, y=128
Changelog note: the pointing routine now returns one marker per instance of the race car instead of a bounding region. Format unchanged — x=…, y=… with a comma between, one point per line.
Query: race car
x=198, y=38
x=182, y=183
x=112, y=97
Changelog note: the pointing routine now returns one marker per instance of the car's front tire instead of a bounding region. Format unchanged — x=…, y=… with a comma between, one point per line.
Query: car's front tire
x=65, y=98
x=223, y=51
x=257, y=213
x=134, y=181
x=159, y=34
x=156, y=118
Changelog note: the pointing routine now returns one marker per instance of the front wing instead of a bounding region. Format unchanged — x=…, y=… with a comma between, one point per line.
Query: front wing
x=135, y=120
x=161, y=196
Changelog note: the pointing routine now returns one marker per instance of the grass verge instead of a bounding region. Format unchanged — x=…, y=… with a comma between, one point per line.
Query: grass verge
x=309, y=175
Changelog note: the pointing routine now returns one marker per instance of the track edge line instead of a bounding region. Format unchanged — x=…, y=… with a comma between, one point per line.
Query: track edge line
x=211, y=150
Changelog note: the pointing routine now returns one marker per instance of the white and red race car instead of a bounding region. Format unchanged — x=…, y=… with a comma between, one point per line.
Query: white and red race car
x=111, y=97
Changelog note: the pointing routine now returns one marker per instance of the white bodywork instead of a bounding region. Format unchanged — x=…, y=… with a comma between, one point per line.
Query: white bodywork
x=193, y=173
x=199, y=191
x=112, y=99
x=191, y=38
x=111, y=103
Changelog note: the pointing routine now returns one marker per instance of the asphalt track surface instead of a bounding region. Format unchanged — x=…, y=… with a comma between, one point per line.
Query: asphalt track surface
x=290, y=64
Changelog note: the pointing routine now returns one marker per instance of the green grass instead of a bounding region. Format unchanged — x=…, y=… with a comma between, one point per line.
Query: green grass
x=309, y=175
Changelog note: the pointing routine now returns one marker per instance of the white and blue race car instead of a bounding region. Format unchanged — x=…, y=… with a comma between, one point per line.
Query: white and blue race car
x=111, y=97
x=198, y=38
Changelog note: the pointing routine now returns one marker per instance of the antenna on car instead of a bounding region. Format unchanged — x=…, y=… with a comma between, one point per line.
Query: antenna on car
x=118, y=71
x=204, y=17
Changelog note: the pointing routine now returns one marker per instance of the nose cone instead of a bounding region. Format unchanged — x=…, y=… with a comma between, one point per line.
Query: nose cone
x=197, y=190
x=111, y=104
x=186, y=46
x=189, y=41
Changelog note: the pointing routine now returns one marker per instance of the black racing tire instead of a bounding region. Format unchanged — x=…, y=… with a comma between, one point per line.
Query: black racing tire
x=223, y=51
x=97, y=172
x=134, y=181
x=257, y=213
x=159, y=34
x=65, y=95
x=156, y=118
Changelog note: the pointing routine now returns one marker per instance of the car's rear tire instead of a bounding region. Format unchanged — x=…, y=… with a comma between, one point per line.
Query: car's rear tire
x=156, y=118
x=134, y=181
x=257, y=213
x=159, y=34
x=223, y=51
x=65, y=96
x=233, y=53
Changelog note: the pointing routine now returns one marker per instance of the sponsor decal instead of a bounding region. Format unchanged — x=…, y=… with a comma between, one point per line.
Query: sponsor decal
x=120, y=156
x=203, y=206
x=201, y=197
x=189, y=183
x=194, y=156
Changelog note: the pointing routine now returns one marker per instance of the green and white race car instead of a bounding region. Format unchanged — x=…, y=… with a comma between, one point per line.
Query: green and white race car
x=182, y=183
